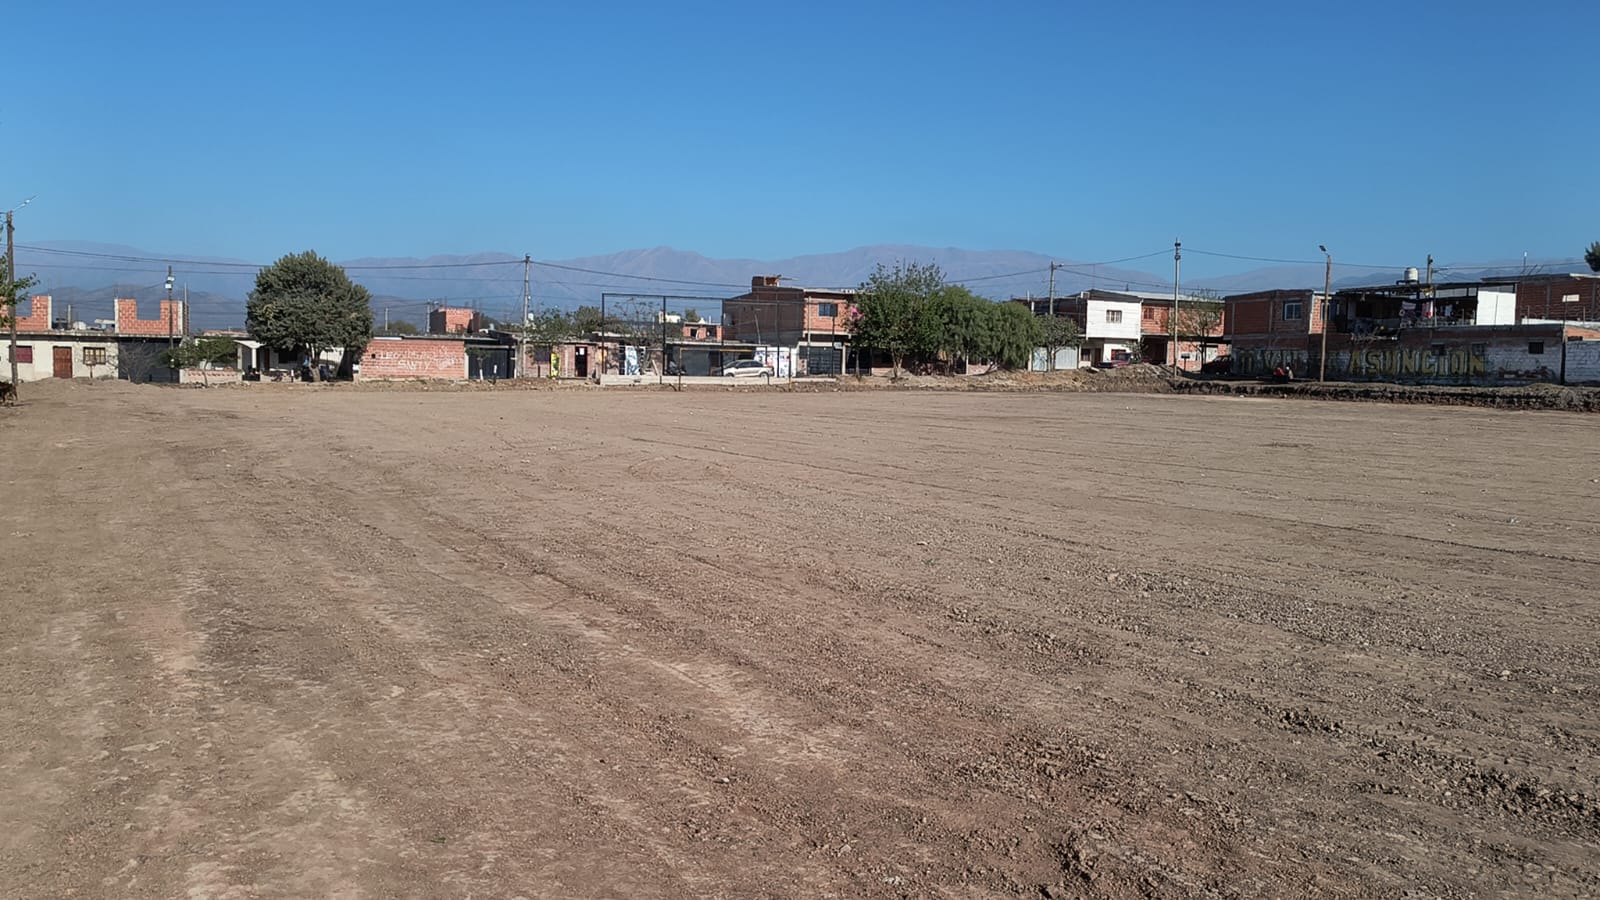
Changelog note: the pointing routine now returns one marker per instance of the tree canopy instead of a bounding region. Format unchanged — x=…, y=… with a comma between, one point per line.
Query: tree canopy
x=1057, y=333
x=18, y=292
x=909, y=312
x=11, y=295
x=303, y=301
x=1592, y=256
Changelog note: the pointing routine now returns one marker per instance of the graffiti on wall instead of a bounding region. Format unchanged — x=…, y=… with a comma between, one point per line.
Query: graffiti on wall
x=1438, y=363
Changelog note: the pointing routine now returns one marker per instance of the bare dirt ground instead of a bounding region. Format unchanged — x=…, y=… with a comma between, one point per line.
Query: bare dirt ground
x=315, y=642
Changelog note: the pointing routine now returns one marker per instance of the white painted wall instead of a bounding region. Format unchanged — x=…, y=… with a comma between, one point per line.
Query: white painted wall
x=1096, y=325
x=1496, y=307
x=1066, y=358
x=43, y=365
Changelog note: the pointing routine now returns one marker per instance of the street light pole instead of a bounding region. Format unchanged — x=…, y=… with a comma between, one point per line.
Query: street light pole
x=11, y=294
x=1327, y=285
x=1177, y=256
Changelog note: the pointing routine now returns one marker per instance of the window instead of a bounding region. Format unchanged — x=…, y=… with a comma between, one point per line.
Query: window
x=1293, y=311
x=24, y=353
x=94, y=356
x=1149, y=313
x=1570, y=298
x=828, y=310
x=1536, y=348
x=1113, y=316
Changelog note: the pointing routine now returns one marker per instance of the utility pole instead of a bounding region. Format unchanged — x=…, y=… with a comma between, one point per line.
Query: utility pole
x=11, y=295
x=172, y=330
x=1053, y=267
x=522, y=342
x=1177, y=256
x=386, y=320
x=1327, y=306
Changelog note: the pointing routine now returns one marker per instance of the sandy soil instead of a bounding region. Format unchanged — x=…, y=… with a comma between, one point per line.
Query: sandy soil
x=314, y=642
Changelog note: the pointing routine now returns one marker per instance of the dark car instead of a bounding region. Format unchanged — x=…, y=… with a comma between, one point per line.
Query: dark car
x=1222, y=365
x=1116, y=360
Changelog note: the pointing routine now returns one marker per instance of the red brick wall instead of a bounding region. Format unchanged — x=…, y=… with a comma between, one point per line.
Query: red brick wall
x=128, y=321
x=452, y=320
x=38, y=317
x=398, y=358
x=1542, y=299
x=1260, y=316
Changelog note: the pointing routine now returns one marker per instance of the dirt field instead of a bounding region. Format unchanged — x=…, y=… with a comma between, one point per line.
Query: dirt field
x=309, y=641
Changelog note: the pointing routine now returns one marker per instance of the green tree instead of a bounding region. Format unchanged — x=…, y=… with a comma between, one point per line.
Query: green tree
x=1010, y=334
x=691, y=315
x=401, y=327
x=214, y=350
x=587, y=320
x=1592, y=257
x=897, y=311
x=1057, y=333
x=15, y=291
x=202, y=353
x=1200, y=320
x=304, y=302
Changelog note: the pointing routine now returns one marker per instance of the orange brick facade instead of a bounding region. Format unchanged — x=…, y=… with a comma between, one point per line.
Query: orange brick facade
x=453, y=320
x=172, y=319
x=406, y=358
x=1569, y=298
x=38, y=317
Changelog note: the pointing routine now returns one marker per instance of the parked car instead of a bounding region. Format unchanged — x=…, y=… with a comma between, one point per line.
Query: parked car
x=1222, y=365
x=745, y=368
x=1116, y=360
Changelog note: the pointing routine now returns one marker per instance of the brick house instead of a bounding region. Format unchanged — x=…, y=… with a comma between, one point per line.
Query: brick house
x=413, y=357
x=812, y=322
x=1568, y=298
x=454, y=320
x=50, y=349
x=1266, y=329
x=1108, y=321
x=1408, y=331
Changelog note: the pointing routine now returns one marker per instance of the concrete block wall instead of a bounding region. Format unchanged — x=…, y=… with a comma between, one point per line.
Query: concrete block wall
x=170, y=319
x=399, y=358
x=1583, y=362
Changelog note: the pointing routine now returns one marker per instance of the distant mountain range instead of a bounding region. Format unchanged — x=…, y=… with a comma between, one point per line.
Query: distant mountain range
x=87, y=276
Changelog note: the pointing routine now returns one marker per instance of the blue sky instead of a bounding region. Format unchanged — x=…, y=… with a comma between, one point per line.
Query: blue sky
x=1090, y=131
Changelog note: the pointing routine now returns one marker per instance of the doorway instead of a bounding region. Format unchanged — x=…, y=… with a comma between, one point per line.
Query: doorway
x=580, y=361
x=61, y=361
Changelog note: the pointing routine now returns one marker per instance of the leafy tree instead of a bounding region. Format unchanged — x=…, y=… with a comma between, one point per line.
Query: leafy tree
x=14, y=292
x=893, y=311
x=550, y=326
x=1592, y=257
x=401, y=327
x=1010, y=335
x=691, y=315
x=304, y=302
x=1200, y=320
x=1057, y=333
x=587, y=320
x=202, y=353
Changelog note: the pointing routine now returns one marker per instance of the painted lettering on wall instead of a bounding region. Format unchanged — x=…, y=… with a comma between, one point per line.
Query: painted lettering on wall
x=1444, y=363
